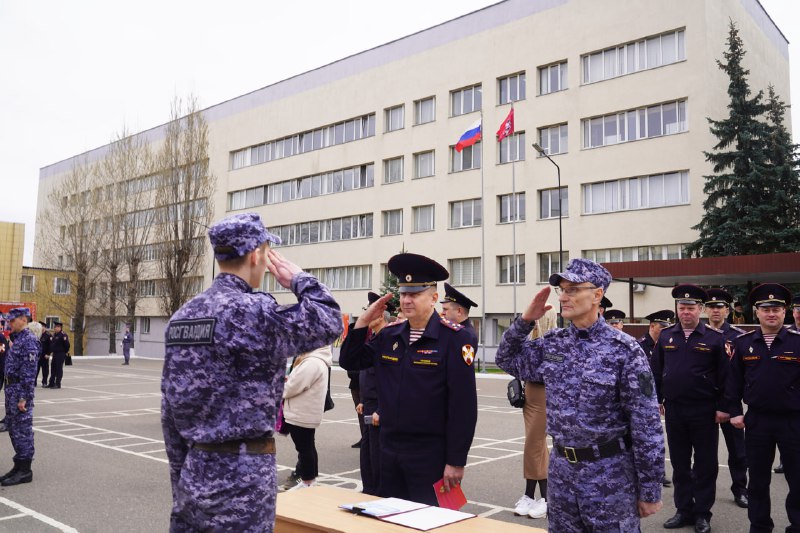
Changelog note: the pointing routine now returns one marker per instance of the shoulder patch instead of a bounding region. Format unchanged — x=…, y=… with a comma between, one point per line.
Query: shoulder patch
x=449, y=324
x=646, y=385
x=192, y=332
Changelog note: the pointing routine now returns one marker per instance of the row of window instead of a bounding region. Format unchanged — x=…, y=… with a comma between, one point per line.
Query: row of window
x=148, y=288
x=60, y=285
x=307, y=141
x=144, y=325
x=332, y=229
x=353, y=277
x=627, y=58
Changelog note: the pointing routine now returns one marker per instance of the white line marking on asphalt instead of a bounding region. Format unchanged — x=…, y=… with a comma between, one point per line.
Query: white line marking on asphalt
x=39, y=516
x=20, y=515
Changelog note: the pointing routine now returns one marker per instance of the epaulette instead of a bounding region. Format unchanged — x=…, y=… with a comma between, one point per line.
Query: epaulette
x=450, y=324
x=712, y=328
x=395, y=323
x=747, y=333
x=555, y=332
x=641, y=339
x=793, y=331
x=738, y=330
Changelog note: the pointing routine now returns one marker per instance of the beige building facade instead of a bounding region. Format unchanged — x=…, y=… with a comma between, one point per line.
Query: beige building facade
x=12, y=246
x=354, y=161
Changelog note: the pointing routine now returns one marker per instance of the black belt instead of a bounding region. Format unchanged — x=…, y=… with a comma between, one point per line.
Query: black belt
x=258, y=446
x=607, y=449
x=11, y=380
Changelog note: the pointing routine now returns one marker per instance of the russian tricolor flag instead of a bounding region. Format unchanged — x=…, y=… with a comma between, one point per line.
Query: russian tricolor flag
x=470, y=137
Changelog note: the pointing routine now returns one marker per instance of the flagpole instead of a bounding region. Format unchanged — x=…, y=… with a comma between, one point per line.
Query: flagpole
x=483, y=256
x=514, y=224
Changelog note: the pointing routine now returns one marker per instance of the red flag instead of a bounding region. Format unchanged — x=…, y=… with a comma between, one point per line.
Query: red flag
x=507, y=127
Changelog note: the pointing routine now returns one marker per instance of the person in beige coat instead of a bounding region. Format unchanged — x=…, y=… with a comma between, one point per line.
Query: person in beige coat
x=303, y=405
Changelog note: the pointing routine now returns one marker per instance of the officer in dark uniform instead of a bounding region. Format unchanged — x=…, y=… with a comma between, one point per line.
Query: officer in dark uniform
x=614, y=317
x=456, y=306
x=605, y=304
x=127, y=343
x=44, y=355
x=426, y=384
x=765, y=371
x=690, y=375
x=796, y=313
x=718, y=309
x=658, y=321
x=59, y=345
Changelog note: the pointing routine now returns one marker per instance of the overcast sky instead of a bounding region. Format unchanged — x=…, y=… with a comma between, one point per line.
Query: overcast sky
x=74, y=73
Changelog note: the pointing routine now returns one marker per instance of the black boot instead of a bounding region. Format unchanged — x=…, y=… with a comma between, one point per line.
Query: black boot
x=23, y=475
x=10, y=472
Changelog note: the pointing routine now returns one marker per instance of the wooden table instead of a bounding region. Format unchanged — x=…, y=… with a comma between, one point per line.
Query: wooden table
x=317, y=509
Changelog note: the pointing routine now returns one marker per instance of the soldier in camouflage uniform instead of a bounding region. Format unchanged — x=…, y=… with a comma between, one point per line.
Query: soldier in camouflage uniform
x=20, y=378
x=608, y=448
x=224, y=368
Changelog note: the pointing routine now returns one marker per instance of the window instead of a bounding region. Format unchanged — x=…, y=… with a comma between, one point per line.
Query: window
x=553, y=139
x=144, y=325
x=466, y=213
x=393, y=222
x=425, y=110
x=394, y=118
x=657, y=190
x=549, y=265
x=466, y=271
x=393, y=170
x=508, y=271
x=424, y=164
x=28, y=283
x=553, y=78
x=632, y=57
x=465, y=100
x=467, y=159
x=345, y=277
x=511, y=88
x=548, y=203
x=511, y=210
x=147, y=288
x=642, y=123
x=423, y=218
x=60, y=286
x=51, y=321
x=72, y=323
x=332, y=229
x=330, y=135
x=638, y=253
x=512, y=148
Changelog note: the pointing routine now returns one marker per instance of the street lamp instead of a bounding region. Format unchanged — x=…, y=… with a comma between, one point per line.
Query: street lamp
x=560, y=234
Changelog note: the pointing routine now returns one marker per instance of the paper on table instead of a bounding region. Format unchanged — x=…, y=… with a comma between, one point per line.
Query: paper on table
x=428, y=518
x=383, y=507
x=454, y=499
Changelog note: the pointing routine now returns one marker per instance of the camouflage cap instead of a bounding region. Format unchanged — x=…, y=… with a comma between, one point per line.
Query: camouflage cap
x=18, y=312
x=584, y=271
x=237, y=235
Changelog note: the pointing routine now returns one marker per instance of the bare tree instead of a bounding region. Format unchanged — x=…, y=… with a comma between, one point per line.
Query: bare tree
x=128, y=185
x=71, y=234
x=184, y=203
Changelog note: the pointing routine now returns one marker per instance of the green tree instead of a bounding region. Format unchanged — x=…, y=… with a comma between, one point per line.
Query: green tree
x=783, y=169
x=391, y=284
x=738, y=212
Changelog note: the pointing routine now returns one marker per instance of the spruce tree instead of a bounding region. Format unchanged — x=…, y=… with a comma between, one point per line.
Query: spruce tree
x=735, y=221
x=783, y=169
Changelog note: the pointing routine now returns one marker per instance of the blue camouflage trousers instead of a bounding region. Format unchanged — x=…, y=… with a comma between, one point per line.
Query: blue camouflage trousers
x=19, y=424
x=592, y=496
x=225, y=492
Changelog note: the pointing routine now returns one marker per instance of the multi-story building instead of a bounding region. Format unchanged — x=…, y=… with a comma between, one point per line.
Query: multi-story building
x=354, y=161
x=12, y=245
x=51, y=291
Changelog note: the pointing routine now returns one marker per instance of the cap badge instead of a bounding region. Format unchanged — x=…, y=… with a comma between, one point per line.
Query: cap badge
x=771, y=296
x=686, y=295
x=408, y=277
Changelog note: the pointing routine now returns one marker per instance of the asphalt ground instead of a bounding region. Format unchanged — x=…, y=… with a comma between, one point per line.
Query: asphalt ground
x=100, y=464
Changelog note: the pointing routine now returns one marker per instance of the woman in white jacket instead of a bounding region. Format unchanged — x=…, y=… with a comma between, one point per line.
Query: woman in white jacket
x=303, y=405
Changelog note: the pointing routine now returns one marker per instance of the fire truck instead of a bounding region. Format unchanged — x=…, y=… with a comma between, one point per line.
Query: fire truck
x=5, y=307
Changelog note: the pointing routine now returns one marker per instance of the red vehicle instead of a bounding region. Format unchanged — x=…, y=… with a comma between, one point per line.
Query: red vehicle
x=5, y=307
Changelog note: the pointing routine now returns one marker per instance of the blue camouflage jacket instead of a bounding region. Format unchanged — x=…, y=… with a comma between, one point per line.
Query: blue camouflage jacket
x=22, y=364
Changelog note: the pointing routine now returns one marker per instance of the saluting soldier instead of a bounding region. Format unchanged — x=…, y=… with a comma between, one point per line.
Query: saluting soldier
x=59, y=345
x=718, y=309
x=20, y=377
x=426, y=384
x=658, y=321
x=224, y=369
x=456, y=306
x=607, y=460
x=614, y=318
x=690, y=375
x=765, y=371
